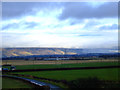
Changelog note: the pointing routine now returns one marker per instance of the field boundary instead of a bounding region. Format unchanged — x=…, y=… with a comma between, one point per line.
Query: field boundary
x=54, y=69
x=38, y=62
x=38, y=84
x=24, y=80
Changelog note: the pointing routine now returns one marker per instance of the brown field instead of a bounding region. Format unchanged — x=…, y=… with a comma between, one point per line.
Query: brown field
x=31, y=62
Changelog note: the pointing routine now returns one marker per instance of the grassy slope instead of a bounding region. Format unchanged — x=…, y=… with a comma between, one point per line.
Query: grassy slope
x=103, y=74
x=13, y=83
x=66, y=65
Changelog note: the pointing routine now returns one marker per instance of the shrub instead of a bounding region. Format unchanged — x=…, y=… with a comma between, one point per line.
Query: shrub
x=85, y=83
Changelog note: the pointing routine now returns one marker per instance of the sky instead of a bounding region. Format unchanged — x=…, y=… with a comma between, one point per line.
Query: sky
x=60, y=24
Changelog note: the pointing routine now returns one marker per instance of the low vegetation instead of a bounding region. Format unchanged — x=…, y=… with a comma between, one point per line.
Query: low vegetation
x=97, y=78
x=8, y=83
x=85, y=78
x=92, y=83
x=102, y=74
x=65, y=64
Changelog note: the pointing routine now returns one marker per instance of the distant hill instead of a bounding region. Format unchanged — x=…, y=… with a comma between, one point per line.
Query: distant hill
x=11, y=52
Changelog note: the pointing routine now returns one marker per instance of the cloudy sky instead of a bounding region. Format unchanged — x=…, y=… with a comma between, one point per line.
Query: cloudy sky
x=60, y=24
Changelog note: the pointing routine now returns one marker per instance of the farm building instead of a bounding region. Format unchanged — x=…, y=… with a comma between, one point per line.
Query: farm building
x=8, y=67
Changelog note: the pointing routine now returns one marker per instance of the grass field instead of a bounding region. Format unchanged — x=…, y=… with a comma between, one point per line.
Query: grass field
x=105, y=74
x=21, y=64
x=102, y=74
x=8, y=83
x=94, y=64
x=110, y=74
x=38, y=62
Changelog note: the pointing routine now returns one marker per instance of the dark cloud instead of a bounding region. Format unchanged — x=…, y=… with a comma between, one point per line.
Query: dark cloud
x=12, y=10
x=16, y=9
x=77, y=10
x=111, y=27
x=81, y=10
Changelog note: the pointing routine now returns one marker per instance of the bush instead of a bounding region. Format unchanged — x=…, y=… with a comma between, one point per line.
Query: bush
x=85, y=83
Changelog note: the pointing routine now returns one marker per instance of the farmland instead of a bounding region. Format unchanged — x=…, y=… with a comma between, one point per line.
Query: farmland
x=7, y=84
x=36, y=62
x=103, y=74
x=95, y=64
x=107, y=74
x=22, y=64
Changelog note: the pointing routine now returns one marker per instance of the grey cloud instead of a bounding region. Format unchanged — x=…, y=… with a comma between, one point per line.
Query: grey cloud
x=17, y=9
x=73, y=22
x=82, y=10
x=91, y=24
x=12, y=10
x=86, y=35
x=16, y=25
x=31, y=24
x=112, y=27
x=77, y=10
x=13, y=25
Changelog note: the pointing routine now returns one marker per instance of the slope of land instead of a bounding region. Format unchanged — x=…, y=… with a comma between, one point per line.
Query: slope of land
x=11, y=52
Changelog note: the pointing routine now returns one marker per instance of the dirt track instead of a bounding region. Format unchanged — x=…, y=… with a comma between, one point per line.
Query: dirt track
x=23, y=62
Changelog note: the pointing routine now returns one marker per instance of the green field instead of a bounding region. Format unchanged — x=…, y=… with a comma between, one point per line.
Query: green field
x=109, y=75
x=8, y=83
x=102, y=74
x=91, y=64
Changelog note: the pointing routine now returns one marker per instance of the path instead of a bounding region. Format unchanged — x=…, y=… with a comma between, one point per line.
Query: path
x=39, y=83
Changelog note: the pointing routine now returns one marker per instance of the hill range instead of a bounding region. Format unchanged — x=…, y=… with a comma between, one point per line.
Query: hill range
x=11, y=52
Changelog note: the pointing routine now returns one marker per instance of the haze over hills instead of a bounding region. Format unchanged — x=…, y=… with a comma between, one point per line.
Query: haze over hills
x=11, y=52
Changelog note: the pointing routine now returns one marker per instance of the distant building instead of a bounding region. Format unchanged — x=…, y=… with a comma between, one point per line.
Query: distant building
x=12, y=68
x=56, y=58
x=8, y=67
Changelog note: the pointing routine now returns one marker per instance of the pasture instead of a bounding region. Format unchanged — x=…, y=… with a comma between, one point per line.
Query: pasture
x=107, y=74
x=46, y=66
x=102, y=74
x=7, y=84
x=41, y=62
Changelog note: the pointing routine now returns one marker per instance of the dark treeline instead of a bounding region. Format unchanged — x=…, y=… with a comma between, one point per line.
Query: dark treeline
x=92, y=83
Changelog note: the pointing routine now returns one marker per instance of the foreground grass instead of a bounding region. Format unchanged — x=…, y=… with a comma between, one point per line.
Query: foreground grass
x=110, y=74
x=14, y=83
x=92, y=83
x=108, y=78
x=90, y=64
x=102, y=74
